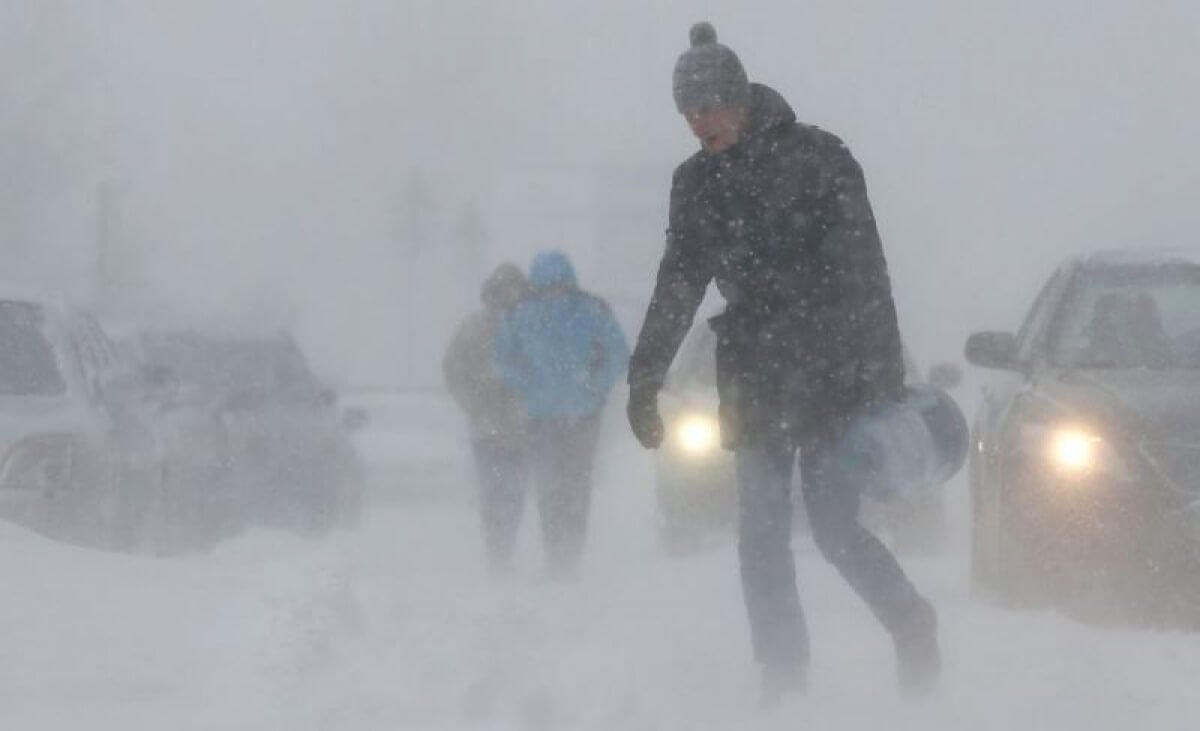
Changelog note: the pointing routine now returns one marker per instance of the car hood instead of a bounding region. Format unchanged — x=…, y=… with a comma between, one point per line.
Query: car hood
x=1143, y=403
x=1157, y=412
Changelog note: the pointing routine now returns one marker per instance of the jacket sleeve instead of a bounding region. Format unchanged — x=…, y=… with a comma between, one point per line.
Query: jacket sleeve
x=615, y=348
x=508, y=361
x=853, y=246
x=683, y=275
x=460, y=369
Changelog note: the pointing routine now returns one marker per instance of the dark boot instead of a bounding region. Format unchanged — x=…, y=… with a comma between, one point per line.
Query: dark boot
x=918, y=656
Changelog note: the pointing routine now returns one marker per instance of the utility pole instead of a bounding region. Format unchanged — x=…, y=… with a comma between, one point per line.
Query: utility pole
x=107, y=232
x=471, y=243
x=414, y=216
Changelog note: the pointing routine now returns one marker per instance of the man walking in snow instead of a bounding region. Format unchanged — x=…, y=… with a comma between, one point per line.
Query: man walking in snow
x=776, y=212
x=561, y=350
x=499, y=433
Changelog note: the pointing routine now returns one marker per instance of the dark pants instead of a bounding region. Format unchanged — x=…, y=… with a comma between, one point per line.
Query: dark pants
x=563, y=450
x=503, y=467
x=777, y=624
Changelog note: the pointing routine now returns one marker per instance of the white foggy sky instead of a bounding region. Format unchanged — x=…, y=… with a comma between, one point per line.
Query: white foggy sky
x=258, y=145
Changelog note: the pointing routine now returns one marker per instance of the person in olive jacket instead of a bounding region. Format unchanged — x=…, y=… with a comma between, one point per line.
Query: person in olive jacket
x=776, y=213
x=498, y=425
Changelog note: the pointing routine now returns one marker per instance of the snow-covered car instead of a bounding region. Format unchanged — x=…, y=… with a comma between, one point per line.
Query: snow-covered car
x=264, y=429
x=1085, y=476
x=412, y=441
x=694, y=475
x=80, y=464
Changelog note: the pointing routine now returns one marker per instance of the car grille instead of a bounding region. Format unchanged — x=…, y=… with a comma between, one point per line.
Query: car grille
x=1179, y=462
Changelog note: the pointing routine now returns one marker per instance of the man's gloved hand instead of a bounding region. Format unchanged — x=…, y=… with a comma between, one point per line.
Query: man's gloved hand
x=644, y=418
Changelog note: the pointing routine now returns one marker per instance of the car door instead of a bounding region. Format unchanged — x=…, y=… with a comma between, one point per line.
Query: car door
x=1006, y=392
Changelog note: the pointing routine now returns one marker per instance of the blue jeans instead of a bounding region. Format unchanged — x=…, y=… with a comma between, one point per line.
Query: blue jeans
x=562, y=451
x=777, y=625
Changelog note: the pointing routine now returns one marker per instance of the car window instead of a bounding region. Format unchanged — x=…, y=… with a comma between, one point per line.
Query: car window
x=272, y=367
x=106, y=351
x=90, y=350
x=28, y=364
x=1132, y=317
x=1032, y=335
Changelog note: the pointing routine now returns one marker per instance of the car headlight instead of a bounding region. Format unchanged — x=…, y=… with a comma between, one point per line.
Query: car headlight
x=1074, y=452
x=697, y=434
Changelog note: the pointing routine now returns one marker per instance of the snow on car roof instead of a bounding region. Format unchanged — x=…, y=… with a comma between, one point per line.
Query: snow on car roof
x=1138, y=258
x=26, y=293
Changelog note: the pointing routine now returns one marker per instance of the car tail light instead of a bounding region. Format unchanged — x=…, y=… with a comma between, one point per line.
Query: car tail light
x=40, y=463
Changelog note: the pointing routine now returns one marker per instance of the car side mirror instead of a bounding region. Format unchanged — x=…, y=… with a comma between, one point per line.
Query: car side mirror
x=945, y=376
x=996, y=350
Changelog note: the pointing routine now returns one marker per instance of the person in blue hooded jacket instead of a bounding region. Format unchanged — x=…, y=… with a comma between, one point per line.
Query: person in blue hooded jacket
x=561, y=351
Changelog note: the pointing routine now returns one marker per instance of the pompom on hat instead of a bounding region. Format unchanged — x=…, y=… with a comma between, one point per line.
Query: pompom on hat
x=708, y=74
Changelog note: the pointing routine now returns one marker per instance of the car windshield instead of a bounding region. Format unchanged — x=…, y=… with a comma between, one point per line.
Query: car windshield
x=272, y=367
x=698, y=364
x=1131, y=317
x=28, y=366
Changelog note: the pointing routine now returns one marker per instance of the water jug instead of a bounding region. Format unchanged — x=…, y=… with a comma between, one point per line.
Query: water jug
x=900, y=449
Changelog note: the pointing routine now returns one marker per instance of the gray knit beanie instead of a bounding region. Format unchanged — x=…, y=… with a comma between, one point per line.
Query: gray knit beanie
x=708, y=74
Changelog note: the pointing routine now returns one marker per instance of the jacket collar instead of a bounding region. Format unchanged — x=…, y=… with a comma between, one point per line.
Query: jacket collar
x=768, y=111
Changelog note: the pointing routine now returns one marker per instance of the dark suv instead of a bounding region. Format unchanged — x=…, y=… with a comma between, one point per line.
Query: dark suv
x=274, y=434
x=1085, y=477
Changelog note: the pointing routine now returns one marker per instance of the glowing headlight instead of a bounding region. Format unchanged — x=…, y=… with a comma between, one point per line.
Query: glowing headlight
x=697, y=434
x=1074, y=451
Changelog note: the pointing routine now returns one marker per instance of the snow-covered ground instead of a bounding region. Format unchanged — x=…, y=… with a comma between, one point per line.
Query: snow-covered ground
x=396, y=626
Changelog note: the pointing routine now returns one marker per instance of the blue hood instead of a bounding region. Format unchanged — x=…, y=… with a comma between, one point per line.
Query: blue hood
x=552, y=269
x=560, y=351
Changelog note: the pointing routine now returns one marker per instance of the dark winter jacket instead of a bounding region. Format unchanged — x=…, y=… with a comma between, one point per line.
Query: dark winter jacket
x=493, y=410
x=782, y=223
x=561, y=350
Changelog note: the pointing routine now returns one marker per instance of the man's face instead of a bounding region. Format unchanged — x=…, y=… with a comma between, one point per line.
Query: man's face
x=717, y=128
